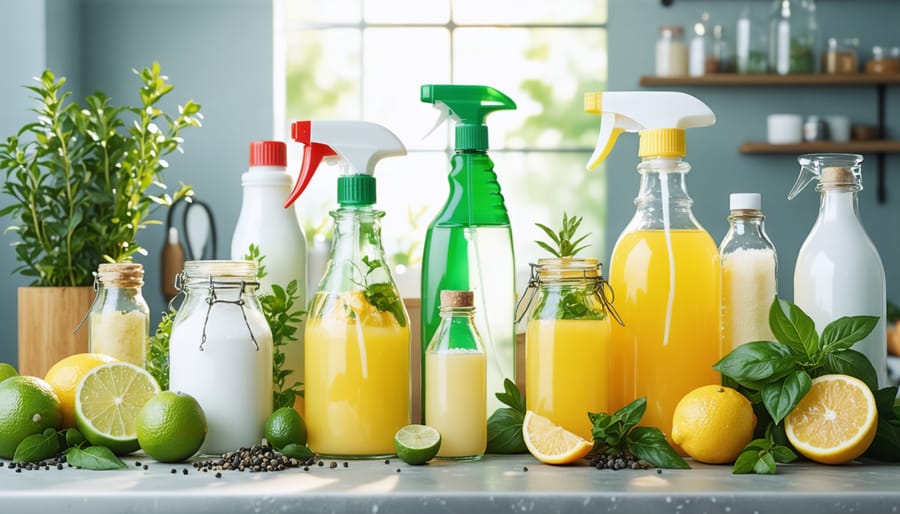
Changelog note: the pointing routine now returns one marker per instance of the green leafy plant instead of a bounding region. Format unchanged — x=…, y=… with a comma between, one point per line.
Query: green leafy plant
x=619, y=433
x=776, y=375
x=504, y=427
x=283, y=319
x=565, y=241
x=80, y=177
x=69, y=442
x=158, y=350
x=568, y=301
x=382, y=295
x=760, y=456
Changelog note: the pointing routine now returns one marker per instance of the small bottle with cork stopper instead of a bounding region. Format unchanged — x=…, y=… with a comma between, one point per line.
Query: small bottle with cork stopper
x=839, y=271
x=456, y=380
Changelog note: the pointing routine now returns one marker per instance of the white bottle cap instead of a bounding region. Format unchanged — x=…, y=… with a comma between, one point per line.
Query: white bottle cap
x=745, y=202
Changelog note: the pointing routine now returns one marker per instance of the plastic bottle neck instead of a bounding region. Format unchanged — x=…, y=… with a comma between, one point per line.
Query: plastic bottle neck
x=475, y=198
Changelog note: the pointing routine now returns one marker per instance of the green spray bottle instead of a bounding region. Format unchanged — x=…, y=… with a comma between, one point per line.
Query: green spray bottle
x=469, y=246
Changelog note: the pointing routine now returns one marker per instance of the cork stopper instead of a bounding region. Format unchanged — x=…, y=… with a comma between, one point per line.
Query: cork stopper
x=457, y=298
x=121, y=274
x=837, y=176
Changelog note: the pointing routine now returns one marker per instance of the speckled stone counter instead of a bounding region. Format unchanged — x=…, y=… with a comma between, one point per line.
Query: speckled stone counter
x=496, y=484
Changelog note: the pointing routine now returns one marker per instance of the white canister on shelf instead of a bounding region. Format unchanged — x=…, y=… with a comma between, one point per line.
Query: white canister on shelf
x=671, y=52
x=220, y=352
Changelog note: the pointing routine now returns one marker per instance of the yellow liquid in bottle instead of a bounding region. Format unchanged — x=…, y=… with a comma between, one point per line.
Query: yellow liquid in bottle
x=456, y=385
x=357, y=384
x=567, y=371
x=647, y=359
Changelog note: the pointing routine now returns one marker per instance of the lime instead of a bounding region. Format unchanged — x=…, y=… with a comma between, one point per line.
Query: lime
x=171, y=426
x=107, y=403
x=64, y=377
x=7, y=370
x=27, y=406
x=417, y=444
x=284, y=427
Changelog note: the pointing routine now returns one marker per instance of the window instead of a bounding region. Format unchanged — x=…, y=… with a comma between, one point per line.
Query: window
x=365, y=59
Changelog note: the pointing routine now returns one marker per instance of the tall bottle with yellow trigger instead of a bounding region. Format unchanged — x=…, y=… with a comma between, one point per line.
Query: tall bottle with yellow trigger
x=665, y=267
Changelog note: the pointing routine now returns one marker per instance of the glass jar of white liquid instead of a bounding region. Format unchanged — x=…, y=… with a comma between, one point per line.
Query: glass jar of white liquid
x=220, y=352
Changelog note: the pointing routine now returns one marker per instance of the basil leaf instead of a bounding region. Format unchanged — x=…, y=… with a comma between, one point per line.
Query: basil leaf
x=884, y=401
x=631, y=414
x=296, y=451
x=886, y=446
x=504, y=432
x=512, y=396
x=601, y=422
x=792, y=327
x=745, y=462
x=853, y=363
x=844, y=332
x=37, y=447
x=74, y=437
x=782, y=396
x=757, y=361
x=761, y=444
x=97, y=458
x=783, y=454
x=765, y=465
x=649, y=444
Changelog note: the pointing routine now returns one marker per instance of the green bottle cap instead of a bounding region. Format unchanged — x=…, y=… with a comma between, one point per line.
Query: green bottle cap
x=471, y=137
x=356, y=190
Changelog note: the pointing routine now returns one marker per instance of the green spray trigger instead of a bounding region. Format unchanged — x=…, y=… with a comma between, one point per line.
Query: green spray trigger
x=468, y=105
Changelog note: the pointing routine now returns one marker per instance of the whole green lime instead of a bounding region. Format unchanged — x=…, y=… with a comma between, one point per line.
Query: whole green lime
x=7, y=370
x=417, y=444
x=285, y=426
x=171, y=426
x=27, y=406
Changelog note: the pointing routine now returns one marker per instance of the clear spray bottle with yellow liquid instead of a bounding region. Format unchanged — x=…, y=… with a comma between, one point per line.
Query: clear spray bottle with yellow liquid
x=665, y=267
x=357, y=331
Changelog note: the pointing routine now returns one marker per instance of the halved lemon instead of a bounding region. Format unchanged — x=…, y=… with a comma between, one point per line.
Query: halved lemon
x=835, y=422
x=551, y=443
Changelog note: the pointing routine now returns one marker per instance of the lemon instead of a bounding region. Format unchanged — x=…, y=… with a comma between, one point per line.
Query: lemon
x=107, y=403
x=27, y=406
x=284, y=427
x=551, y=443
x=171, y=426
x=417, y=444
x=64, y=377
x=7, y=370
x=835, y=422
x=713, y=424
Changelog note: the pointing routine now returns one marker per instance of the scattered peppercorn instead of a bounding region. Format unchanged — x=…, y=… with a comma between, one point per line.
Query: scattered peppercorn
x=398, y=470
x=185, y=471
x=137, y=464
x=218, y=475
x=260, y=458
x=333, y=465
x=174, y=471
x=525, y=469
x=346, y=464
x=387, y=461
x=146, y=467
x=617, y=460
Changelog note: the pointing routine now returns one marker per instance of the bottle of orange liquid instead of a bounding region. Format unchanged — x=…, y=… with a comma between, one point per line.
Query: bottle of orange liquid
x=665, y=267
x=357, y=333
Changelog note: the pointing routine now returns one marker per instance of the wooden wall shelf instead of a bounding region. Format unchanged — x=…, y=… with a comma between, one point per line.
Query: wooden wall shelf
x=761, y=147
x=757, y=80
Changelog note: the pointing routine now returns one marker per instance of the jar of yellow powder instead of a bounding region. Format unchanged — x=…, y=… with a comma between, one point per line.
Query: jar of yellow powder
x=119, y=320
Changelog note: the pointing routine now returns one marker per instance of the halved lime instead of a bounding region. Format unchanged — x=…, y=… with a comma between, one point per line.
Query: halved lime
x=107, y=403
x=417, y=444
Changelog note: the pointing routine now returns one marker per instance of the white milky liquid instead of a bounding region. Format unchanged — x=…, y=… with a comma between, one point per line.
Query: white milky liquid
x=839, y=273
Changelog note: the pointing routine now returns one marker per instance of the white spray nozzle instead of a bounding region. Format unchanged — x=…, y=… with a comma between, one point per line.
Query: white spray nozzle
x=638, y=111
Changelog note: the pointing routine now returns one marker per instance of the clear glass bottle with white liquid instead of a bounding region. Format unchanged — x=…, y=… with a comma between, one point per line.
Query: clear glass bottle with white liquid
x=839, y=272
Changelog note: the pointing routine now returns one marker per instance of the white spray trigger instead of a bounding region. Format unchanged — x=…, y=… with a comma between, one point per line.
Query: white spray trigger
x=446, y=114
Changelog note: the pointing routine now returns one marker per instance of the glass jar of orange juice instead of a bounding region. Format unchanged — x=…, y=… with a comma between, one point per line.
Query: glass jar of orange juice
x=567, y=307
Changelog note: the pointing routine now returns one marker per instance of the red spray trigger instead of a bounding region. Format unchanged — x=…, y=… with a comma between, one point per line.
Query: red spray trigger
x=313, y=153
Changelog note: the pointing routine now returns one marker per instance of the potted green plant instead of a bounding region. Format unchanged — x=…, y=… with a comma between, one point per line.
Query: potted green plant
x=84, y=179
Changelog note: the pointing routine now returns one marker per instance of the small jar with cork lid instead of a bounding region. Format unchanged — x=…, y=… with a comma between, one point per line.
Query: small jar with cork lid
x=119, y=319
x=456, y=380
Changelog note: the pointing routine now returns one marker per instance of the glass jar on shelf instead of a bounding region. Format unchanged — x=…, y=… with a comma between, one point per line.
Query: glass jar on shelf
x=671, y=52
x=841, y=56
x=751, y=43
x=793, y=31
x=881, y=61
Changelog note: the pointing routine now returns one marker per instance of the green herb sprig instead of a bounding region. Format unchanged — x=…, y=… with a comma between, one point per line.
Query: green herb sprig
x=158, y=350
x=776, y=375
x=382, y=295
x=283, y=320
x=504, y=427
x=565, y=243
x=619, y=433
x=69, y=442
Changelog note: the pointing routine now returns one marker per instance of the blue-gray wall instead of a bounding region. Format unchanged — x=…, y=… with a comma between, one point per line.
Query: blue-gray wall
x=219, y=53
x=717, y=167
